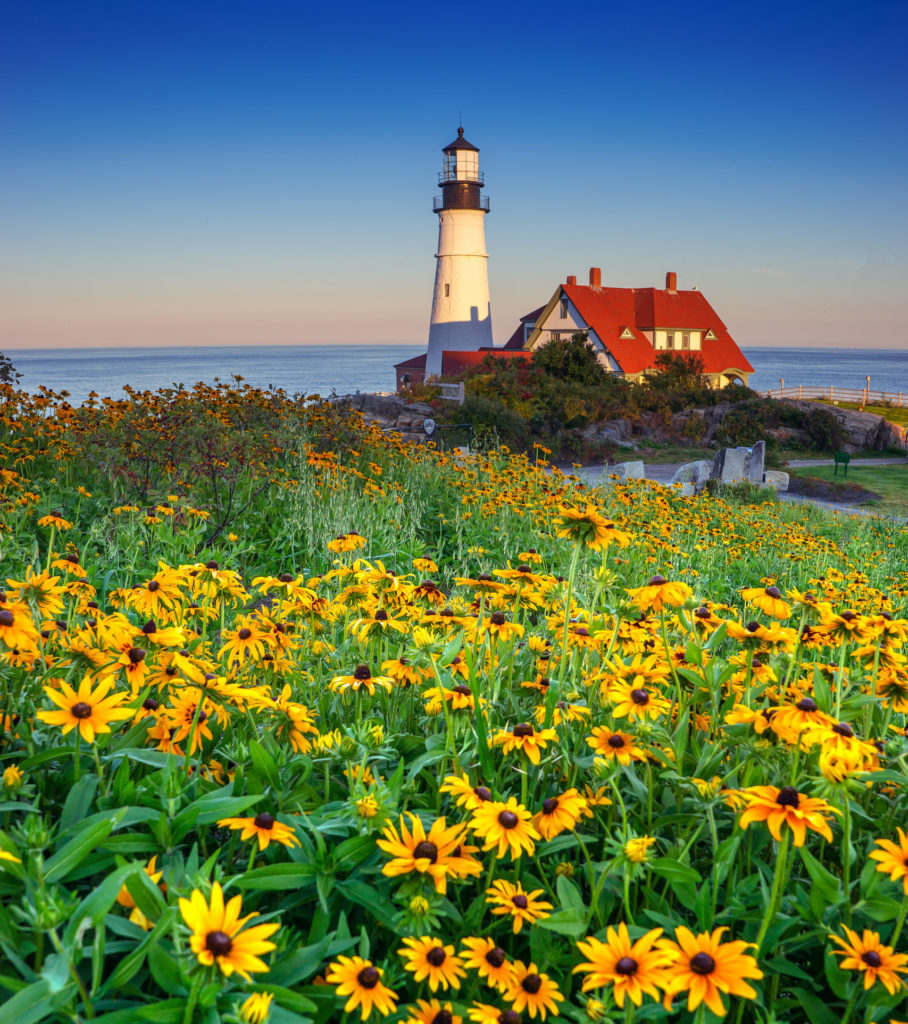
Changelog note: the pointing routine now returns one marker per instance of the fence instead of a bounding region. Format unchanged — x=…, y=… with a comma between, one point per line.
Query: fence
x=860, y=396
x=451, y=392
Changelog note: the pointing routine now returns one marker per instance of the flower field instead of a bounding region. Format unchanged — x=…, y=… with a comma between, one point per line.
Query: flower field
x=300, y=723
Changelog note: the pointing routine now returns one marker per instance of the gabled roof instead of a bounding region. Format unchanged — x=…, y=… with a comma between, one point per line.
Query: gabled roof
x=613, y=312
x=414, y=363
x=517, y=339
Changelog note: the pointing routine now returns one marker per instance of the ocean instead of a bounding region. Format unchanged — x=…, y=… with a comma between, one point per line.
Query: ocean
x=345, y=369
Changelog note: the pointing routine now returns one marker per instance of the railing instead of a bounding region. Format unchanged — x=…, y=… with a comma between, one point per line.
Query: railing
x=862, y=396
x=452, y=392
x=438, y=203
x=475, y=177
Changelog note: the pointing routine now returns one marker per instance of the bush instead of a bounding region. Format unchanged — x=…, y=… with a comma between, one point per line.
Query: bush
x=824, y=430
x=488, y=416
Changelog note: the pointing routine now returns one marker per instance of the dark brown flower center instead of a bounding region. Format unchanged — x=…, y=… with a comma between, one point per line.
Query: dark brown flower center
x=362, y=672
x=150, y=627
x=872, y=958
x=702, y=963
x=381, y=615
x=425, y=851
x=218, y=943
x=524, y=729
x=463, y=690
x=581, y=631
x=520, y=901
x=244, y=633
x=532, y=983
x=509, y=1017
x=81, y=710
x=497, y=619
x=496, y=957
x=483, y=792
x=263, y=820
x=788, y=797
x=616, y=741
x=806, y=704
x=640, y=697
x=626, y=965
x=443, y=1017
x=136, y=655
x=153, y=585
x=843, y=729
x=508, y=819
x=702, y=612
x=550, y=805
x=150, y=704
x=368, y=977
x=285, y=577
x=753, y=626
x=657, y=581
x=6, y=617
x=436, y=956
x=773, y=592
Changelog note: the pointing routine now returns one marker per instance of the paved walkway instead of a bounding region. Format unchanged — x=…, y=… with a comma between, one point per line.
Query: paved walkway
x=662, y=472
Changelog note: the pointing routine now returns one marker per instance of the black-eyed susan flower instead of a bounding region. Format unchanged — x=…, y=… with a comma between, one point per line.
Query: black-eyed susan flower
x=505, y=827
x=875, y=961
x=524, y=907
x=360, y=679
x=632, y=968
x=432, y=1011
x=465, y=793
x=590, y=527
x=637, y=850
x=264, y=827
x=659, y=593
x=533, y=991
x=769, y=600
x=218, y=937
x=489, y=960
x=635, y=701
x=615, y=746
x=786, y=806
x=525, y=738
x=430, y=960
x=705, y=967
x=485, y=1013
x=892, y=858
x=438, y=853
x=361, y=980
x=88, y=709
x=559, y=814
x=500, y=628
x=56, y=520
x=17, y=630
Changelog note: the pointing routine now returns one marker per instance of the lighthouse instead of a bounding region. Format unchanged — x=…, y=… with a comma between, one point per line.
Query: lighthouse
x=461, y=311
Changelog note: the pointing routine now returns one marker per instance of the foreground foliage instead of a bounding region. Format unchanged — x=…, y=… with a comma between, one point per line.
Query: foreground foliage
x=298, y=721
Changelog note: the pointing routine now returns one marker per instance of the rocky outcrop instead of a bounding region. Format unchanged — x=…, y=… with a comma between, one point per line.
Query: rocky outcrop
x=616, y=431
x=389, y=411
x=865, y=429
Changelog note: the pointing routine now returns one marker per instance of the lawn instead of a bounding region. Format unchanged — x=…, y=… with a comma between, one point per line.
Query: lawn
x=890, y=482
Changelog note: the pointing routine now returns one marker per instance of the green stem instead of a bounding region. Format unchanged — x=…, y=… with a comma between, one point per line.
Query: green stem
x=776, y=890
x=846, y=858
x=899, y=923
x=192, y=998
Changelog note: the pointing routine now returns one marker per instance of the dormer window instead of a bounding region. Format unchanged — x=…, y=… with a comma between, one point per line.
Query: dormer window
x=710, y=335
x=564, y=309
x=626, y=334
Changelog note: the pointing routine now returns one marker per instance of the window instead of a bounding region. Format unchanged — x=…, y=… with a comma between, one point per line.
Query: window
x=685, y=339
x=669, y=339
x=447, y=291
x=564, y=309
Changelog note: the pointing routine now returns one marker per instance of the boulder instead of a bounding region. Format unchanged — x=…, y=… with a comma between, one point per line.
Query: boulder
x=617, y=431
x=420, y=409
x=755, y=463
x=776, y=478
x=696, y=473
x=384, y=409
x=729, y=465
x=626, y=470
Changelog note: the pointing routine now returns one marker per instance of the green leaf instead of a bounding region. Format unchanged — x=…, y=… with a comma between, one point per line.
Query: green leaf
x=825, y=881
x=166, y=971
x=71, y=856
x=352, y=852
x=369, y=898
x=78, y=802
x=818, y=1012
x=167, y=1011
x=275, y=877
x=881, y=909
x=263, y=764
x=565, y=922
x=98, y=902
x=32, y=1004
x=675, y=871
x=569, y=895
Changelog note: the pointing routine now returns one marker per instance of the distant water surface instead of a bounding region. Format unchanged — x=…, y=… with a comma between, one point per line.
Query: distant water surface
x=344, y=369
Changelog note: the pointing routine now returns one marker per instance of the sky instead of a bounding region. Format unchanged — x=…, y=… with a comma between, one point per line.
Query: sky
x=263, y=173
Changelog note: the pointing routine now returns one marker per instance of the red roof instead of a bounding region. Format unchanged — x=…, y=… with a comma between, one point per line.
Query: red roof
x=457, y=362
x=414, y=363
x=611, y=311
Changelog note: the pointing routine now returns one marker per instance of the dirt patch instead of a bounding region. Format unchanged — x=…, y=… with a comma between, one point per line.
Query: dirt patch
x=823, y=490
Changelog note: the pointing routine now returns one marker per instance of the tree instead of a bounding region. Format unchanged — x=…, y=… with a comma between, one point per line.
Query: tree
x=8, y=373
x=680, y=370
x=573, y=360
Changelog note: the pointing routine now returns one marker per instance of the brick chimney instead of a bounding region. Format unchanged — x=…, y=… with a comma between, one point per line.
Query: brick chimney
x=595, y=277
x=671, y=282
x=572, y=279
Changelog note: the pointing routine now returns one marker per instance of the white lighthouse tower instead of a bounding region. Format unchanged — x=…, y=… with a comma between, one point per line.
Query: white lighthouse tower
x=461, y=312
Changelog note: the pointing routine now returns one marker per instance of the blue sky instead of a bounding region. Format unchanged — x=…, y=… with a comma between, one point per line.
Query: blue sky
x=243, y=173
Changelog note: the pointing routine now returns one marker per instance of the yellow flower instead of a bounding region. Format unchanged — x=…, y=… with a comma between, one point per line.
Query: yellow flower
x=432, y=961
x=768, y=600
x=785, y=806
x=89, y=710
x=264, y=827
x=506, y=827
x=705, y=967
x=892, y=858
x=218, y=936
x=526, y=739
x=660, y=593
x=507, y=898
x=255, y=1009
x=636, y=850
x=876, y=961
x=361, y=981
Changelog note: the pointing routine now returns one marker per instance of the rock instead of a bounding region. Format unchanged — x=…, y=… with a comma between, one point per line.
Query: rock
x=420, y=409
x=728, y=465
x=755, y=462
x=864, y=429
x=626, y=470
x=785, y=435
x=696, y=473
x=617, y=431
x=381, y=408
x=686, y=490
x=776, y=478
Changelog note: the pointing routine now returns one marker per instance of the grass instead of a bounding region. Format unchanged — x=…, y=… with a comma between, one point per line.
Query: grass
x=890, y=482
x=895, y=414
